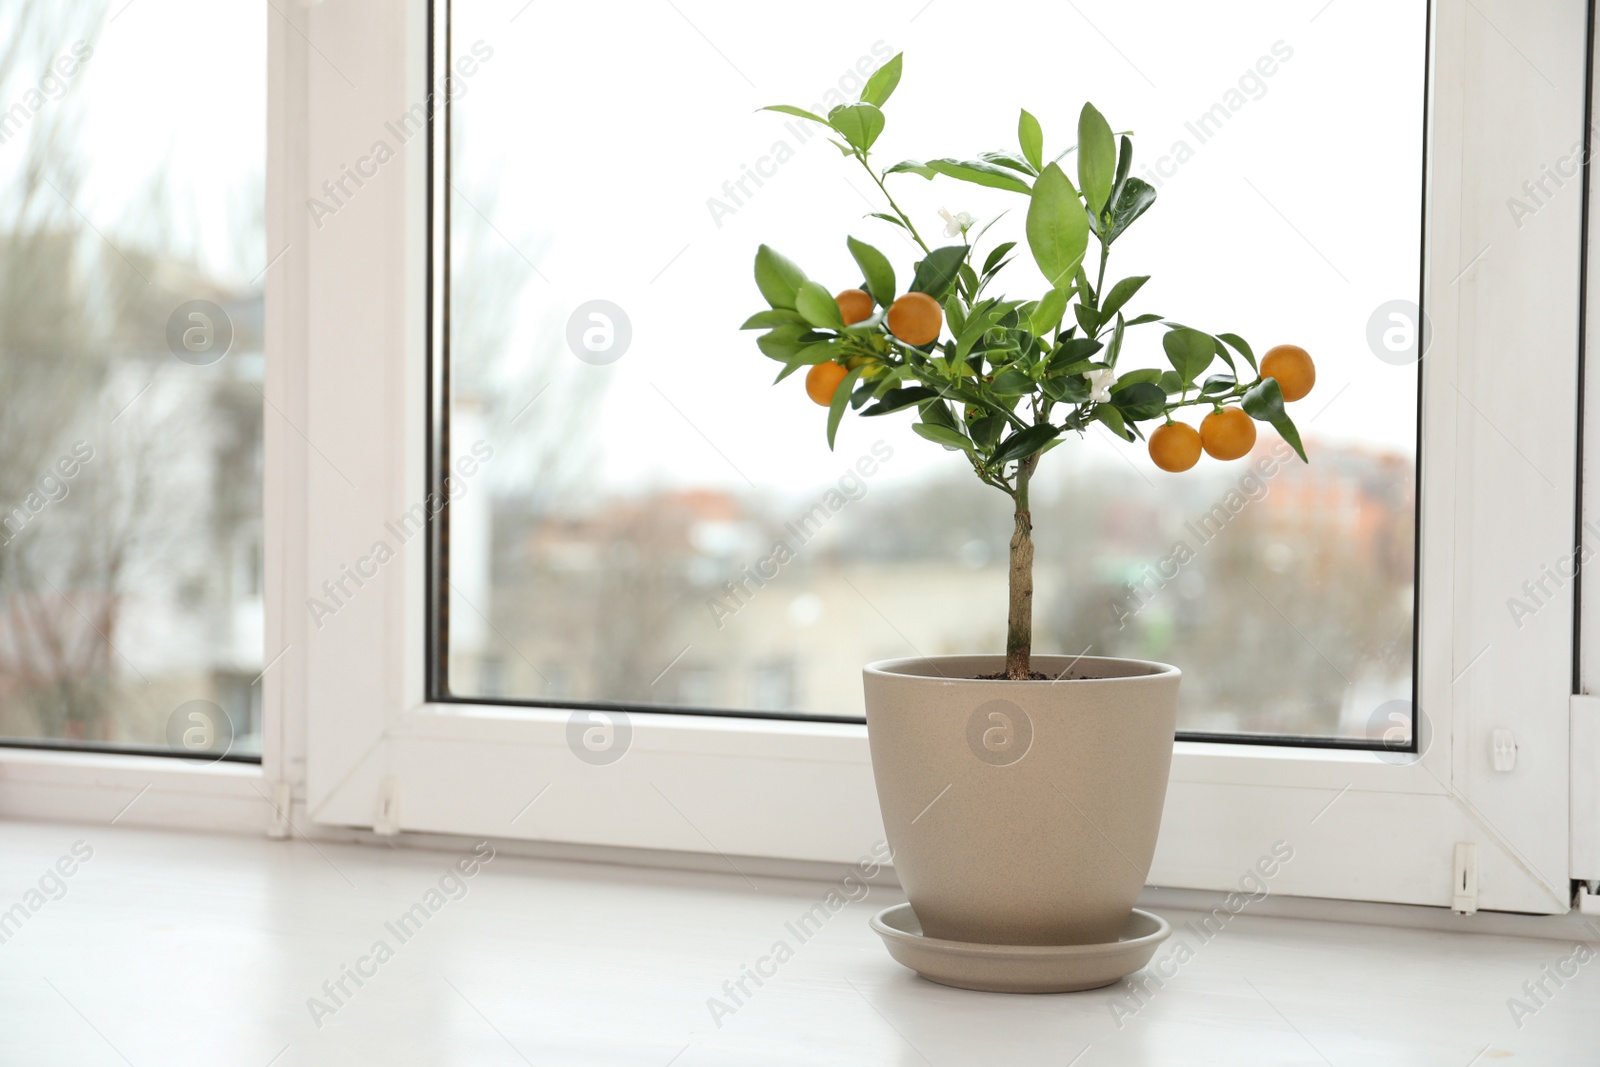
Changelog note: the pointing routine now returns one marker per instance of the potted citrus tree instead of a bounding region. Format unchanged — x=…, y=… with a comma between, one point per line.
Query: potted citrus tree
x=1021, y=793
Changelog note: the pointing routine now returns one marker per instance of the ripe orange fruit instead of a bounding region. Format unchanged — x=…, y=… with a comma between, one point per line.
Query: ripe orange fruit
x=1291, y=365
x=855, y=305
x=1227, y=434
x=1175, y=447
x=823, y=380
x=916, y=318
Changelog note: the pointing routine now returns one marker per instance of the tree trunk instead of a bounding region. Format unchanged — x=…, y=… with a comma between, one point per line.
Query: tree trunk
x=1019, y=623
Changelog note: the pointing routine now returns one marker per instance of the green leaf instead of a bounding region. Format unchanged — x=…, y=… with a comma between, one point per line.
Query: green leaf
x=841, y=397
x=1264, y=401
x=912, y=166
x=818, y=306
x=1047, y=316
x=881, y=85
x=783, y=342
x=1171, y=383
x=1088, y=318
x=1031, y=138
x=1238, y=344
x=937, y=271
x=777, y=277
x=1097, y=158
x=1134, y=377
x=1109, y=415
x=1124, y=165
x=1024, y=443
x=980, y=172
x=971, y=331
x=1010, y=161
x=937, y=413
x=1120, y=294
x=1135, y=199
x=1142, y=400
x=818, y=352
x=798, y=112
x=886, y=218
x=898, y=399
x=1286, y=430
x=943, y=435
x=954, y=315
x=875, y=268
x=1218, y=383
x=1189, y=352
x=1058, y=229
x=1012, y=382
x=986, y=430
x=1071, y=352
x=1142, y=319
x=1068, y=388
x=997, y=255
x=1115, y=348
x=859, y=124
x=762, y=320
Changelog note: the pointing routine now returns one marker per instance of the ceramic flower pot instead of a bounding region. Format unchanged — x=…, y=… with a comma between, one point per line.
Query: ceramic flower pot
x=1021, y=813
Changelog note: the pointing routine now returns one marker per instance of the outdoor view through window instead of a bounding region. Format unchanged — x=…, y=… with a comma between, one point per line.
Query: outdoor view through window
x=618, y=541
x=132, y=258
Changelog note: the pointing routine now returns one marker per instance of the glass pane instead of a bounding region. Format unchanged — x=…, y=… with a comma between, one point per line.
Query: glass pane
x=132, y=145
x=659, y=524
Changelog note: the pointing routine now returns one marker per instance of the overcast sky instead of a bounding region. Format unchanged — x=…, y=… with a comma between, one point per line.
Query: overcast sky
x=603, y=130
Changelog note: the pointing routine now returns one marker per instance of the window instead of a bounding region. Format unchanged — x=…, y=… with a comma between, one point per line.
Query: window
x=360, y=304
x=132, y=266
x=661, y=520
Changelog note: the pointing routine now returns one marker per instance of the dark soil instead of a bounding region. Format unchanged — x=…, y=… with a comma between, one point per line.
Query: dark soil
x=1033, y=676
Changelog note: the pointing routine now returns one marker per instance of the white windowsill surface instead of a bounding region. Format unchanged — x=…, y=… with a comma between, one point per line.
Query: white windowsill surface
x=176, y=948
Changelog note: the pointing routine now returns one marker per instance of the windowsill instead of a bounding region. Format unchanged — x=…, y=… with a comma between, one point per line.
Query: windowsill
x=669, y=945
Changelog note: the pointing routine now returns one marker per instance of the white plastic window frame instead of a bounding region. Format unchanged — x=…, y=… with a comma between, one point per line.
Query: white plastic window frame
x=352, y=739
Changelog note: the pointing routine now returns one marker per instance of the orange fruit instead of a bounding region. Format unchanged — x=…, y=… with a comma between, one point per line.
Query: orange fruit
x=1227, y=434
x=1291, y=365
x=916, y=318
x=855, y=305
x=1175, y=447
x=822, y=381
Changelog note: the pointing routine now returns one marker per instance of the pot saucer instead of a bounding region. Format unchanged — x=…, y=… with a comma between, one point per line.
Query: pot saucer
x=1020, y=968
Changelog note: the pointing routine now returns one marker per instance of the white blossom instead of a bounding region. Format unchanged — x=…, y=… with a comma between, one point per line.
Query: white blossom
x=957, y=224
x=1100, y=384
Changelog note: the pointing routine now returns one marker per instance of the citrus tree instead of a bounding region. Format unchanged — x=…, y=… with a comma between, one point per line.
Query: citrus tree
x=1004, y=380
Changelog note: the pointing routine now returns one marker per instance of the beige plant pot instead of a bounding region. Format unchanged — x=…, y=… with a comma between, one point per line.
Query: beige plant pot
x=1022, y=813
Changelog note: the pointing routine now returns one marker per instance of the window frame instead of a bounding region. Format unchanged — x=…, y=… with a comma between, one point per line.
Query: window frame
x=353, y=740
x=381, y=754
